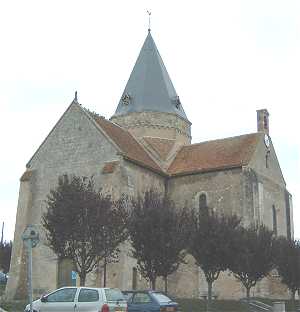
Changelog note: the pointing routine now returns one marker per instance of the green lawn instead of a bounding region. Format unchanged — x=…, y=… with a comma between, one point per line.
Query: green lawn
x=197, y=305
x=15, y=306
x=2, y=289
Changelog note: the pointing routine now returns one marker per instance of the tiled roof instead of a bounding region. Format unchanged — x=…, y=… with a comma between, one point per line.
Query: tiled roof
x=161, y=146
x=213, y=155
x=127, y=143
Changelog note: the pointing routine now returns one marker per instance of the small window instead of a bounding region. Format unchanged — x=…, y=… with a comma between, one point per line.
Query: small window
x=274, y=220
x=265, y=122
x=88, y=295
x=134, y=278
x=176, y=102
x=126, y=98
x=202, y=201
x=62, y=295
x=203, y=204
x=141, y=298
x=267, y=159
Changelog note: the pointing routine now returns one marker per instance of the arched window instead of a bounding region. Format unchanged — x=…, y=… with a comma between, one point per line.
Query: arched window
x=274, y=220
x=134, y=278
x=203, y=203
x=267, y=159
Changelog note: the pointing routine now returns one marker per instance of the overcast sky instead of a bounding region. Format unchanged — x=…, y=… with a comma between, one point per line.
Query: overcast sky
x=226, y=60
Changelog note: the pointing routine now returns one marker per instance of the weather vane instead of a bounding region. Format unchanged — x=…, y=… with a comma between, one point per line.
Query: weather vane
x=149, y=14
x=75, y=98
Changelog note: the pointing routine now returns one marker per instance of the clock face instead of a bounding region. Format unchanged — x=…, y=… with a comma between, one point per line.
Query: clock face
x=267, y=141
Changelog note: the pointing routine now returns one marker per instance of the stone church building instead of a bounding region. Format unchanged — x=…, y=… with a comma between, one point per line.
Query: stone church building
x=147, y=144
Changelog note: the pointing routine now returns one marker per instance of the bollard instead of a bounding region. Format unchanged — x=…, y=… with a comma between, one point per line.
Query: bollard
x=279, y=306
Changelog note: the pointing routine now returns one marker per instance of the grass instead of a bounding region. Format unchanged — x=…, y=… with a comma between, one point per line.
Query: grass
x=2, y=289
x=13, y=306
x=197, y=305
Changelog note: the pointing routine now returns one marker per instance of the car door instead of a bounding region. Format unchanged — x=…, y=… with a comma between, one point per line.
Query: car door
x=61, y=300
x=141, y=302
x=88, y=300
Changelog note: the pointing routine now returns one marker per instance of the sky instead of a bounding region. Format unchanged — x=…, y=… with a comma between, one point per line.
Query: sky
x=226, y=60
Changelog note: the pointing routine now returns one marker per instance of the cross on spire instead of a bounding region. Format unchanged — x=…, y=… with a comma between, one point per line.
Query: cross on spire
x=149, y=20
x=75, y=97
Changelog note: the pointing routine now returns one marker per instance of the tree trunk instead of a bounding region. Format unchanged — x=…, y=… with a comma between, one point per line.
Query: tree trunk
x=166, y=284
x=293, y=292
x=248, y=293
x=82, y=276
x=104, y=272
x=209, y=296
x=153, y=283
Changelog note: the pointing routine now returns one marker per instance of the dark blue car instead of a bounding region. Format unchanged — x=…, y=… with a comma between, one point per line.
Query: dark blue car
x=149, y=301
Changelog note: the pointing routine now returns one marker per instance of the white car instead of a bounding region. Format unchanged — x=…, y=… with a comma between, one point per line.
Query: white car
x=81, y=299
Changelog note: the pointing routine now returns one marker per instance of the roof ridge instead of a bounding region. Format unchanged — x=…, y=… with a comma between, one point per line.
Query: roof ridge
x=150, y=137
x=222, y=139
x=210, y=155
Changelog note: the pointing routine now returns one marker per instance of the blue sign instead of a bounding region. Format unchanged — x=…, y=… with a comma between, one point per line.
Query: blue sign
x=73, y=275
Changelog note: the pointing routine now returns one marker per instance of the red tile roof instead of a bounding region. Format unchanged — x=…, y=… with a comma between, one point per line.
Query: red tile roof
x=161, y=146
x=129, y=146
x=207, y=156
x=109, y=167
x=213, y=155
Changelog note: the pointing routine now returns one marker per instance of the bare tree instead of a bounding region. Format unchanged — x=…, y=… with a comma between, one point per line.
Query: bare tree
x=159, y=235
x=253, y=250
x=83, y=224
x=210, y=244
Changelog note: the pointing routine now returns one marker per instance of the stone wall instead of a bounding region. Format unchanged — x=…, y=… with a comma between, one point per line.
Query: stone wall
x=156, y=124
x=75, y=146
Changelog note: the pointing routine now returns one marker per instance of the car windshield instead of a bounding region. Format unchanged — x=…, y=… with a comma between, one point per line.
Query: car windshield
x=161, y=297
x=114, y=294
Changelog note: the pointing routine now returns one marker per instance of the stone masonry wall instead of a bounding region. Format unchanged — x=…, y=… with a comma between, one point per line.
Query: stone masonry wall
x=230, y=191
x=75, y=146
x=134, y=181
x=156, y=124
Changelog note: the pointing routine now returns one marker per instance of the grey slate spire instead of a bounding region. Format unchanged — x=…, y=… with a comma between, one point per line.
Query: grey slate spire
x=149, y=87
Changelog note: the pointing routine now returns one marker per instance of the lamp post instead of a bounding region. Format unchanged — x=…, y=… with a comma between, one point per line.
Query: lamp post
x=30, y=238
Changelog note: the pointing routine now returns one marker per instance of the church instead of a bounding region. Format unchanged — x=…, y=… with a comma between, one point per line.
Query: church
x=147, y=144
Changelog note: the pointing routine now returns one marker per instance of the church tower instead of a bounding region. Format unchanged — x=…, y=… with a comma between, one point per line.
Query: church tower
x=149, y=105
